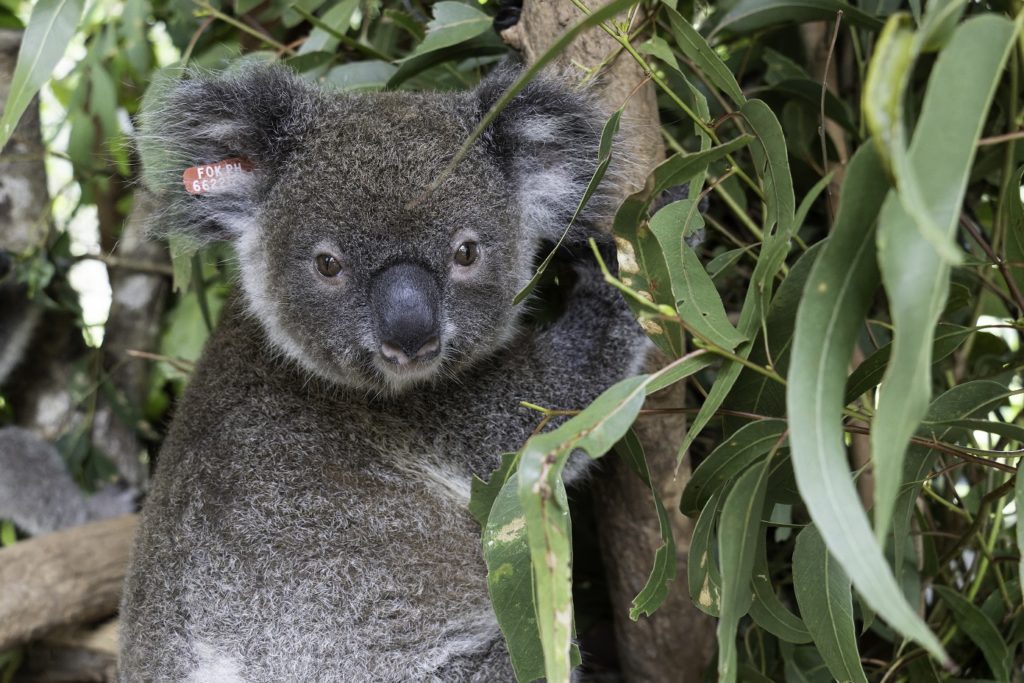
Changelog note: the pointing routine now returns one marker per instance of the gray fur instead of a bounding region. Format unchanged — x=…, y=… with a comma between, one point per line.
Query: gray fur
x=308, y=517
x=38, y=495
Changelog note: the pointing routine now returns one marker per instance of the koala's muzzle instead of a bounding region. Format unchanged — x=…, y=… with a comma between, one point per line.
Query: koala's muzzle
x=405, y=299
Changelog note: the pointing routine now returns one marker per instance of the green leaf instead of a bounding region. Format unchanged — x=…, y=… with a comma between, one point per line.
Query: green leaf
x=642, y=268
x=939, y=23
x=510, y=581
x=50, y=29
x=1004, y=429
x=738, y=530
x=735, y=454
x=704, y=58
x=808, y=91
x=663, y=572
x=824, y=595
x=885, y=90
x=702, y=575
x=980, y=629
x=915, y=275
x=838, y=293
x=482, y=494
x=1018, y=499
x=771, y=158
x=453, y=23
x=767, y=610
x=804, y=665
x=808, y=201
x=484, y=45
x=365, y=75
x=696, y=298
x=679, y=369
x=8, y=534
x=542, y=496
x=948, y=410
x=869, y=373
x=103, y=100
x=724, y=261
x=678, y=168
x=748, y=16
x=326, y=30
x=1011, y=211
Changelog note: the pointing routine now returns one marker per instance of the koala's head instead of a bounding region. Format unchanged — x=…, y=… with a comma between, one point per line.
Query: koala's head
x=351, y=269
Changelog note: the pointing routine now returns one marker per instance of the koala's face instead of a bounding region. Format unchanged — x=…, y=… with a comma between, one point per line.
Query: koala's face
x=355, y=271
x=366, y=279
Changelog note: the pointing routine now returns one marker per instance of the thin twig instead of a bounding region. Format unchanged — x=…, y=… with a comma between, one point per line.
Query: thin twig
x=821, y=124
x=1011, y=284
x=1005, y=137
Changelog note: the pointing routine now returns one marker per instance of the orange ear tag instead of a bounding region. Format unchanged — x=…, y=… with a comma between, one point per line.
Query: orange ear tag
x=215, y=177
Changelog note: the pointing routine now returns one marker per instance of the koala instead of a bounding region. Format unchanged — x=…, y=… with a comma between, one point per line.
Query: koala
x=308, y=513
x=38, y=494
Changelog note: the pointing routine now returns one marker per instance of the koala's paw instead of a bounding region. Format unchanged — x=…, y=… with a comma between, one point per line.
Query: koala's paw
x=598, y=328
x=112, y=501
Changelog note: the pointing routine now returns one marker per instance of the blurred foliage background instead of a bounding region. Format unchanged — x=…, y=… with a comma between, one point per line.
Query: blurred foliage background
x=852, y=290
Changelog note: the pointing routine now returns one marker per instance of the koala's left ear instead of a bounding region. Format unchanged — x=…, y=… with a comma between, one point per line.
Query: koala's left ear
x=252, y=116
x=547, y=139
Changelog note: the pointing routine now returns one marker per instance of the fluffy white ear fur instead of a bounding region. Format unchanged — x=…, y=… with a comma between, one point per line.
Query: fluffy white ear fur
x=550, y=135
x=254, y=112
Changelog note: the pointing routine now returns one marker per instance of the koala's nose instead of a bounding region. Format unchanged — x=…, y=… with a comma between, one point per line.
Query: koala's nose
x=405, y=299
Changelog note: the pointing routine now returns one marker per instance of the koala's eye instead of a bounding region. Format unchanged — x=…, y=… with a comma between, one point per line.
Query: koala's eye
x=328, y=265
x=467, y=253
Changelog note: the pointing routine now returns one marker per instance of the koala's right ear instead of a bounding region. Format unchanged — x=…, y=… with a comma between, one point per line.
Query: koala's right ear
x=255, y=113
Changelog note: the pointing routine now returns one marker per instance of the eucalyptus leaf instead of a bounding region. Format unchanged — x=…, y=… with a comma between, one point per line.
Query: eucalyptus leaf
x=510, y=581
x=915, y=275
x=453, y=23
x=49, y=30
x=663, y=571
x=738, y=530
x=772, y=159
x=696, y=298
x=748, y=16
x=703, y=578
x=979, y=628
x=694, y=46
x=737, y=453
x=838, y=292
x=825, y=596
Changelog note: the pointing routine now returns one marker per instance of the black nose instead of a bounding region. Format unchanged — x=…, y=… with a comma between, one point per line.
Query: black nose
x=405, y=298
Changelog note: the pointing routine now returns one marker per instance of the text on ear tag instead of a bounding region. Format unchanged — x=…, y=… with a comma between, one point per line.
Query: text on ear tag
x=215, y=177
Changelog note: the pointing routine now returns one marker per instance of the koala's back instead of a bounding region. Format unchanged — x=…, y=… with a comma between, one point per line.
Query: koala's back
x=284, y=542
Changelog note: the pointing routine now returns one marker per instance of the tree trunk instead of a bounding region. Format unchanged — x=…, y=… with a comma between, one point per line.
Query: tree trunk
x=677, y=641
x=39, y=392
x=67, y=577
x=136, y=311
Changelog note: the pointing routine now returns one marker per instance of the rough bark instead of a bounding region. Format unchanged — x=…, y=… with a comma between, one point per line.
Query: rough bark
x=136, y=309
x=24, y=198
x=67, y=577
x=38, y=392
x=677, y=641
